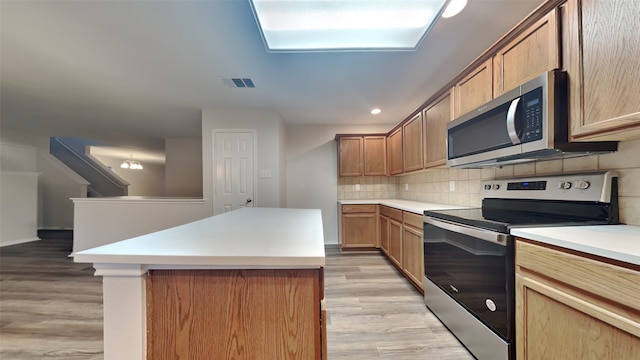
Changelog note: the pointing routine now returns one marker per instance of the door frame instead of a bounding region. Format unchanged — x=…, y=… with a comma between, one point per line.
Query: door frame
x=255, y=162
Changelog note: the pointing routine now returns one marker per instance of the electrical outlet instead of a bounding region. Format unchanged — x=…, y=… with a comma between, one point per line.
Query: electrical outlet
x=357, y=187
x=406, y=187
x=452, y=185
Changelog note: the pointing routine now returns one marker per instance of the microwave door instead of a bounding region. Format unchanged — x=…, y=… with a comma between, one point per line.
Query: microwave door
x=490, y=135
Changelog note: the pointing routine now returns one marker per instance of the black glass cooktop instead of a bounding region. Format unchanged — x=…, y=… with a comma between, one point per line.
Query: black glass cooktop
x=503, y=214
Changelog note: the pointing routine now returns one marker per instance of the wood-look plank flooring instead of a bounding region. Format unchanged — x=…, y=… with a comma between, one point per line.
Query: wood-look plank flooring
x=374, y=313
x=51, y=308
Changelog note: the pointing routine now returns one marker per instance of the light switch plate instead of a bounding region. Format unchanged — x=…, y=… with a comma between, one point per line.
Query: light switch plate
x=264, y=174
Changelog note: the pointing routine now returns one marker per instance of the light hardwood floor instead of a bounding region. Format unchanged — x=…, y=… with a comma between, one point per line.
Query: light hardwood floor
x=51, y=308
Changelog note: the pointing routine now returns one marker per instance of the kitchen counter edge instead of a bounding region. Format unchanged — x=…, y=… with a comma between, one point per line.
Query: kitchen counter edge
x=416, y=207
x=616, y=242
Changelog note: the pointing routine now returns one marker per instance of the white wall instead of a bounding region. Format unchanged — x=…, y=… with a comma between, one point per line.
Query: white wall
x=269, y=131
x=183, y=167
x=56, y=183
x=18, y=194
x=146, y=182
x=312, y=169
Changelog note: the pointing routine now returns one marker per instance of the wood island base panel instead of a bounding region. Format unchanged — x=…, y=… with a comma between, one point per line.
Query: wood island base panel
x=234, y=314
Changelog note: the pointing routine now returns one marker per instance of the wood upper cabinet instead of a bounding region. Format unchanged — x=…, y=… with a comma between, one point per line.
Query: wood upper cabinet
x=436, y=116
x=394, y=150
x=350, y=155
x=413, y=248
x=362, y=155
x=359, y=225
x=474, y=90
x=601, y=47
x=574, y=307
x=412, y=144
x=531, y=53
x=375, y=155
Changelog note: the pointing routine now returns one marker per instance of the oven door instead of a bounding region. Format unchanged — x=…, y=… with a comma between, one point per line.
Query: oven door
x=476, y=268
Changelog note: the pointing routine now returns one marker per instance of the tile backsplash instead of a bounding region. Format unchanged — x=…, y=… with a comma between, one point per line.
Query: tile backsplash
x=462, y=186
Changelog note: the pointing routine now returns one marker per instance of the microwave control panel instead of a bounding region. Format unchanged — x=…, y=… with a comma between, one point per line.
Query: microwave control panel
x=532, y=116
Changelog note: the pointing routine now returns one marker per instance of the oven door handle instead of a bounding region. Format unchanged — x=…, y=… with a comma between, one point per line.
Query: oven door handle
x=492, y=236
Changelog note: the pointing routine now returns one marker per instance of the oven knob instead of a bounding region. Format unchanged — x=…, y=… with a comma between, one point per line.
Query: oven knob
x=487, y=187
x=564, y=185
x=496, y=186
x=582, y=184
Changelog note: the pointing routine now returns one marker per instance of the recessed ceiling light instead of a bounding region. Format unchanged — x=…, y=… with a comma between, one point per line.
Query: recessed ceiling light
x=333, y=25
x=376, y=111
x=454, y=7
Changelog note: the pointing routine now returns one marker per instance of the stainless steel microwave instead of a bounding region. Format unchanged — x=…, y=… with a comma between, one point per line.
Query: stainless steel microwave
x=525, y=124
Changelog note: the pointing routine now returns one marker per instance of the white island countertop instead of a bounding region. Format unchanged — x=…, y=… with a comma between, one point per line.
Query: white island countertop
x=417, y=207
x=617, y=242
x=250, y=238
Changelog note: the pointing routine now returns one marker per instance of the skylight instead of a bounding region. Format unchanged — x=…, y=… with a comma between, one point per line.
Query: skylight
x=335, y=25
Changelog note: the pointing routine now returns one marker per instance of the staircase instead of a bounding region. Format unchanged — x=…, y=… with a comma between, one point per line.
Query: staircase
x=103, y=182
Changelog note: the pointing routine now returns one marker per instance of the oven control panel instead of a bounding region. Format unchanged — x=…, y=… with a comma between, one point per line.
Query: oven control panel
x=580, y=187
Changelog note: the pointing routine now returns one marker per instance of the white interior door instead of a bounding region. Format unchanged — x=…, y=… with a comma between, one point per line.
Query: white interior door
x=234, y=164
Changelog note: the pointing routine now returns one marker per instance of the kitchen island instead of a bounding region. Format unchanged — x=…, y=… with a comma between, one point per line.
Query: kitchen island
x=245, y=284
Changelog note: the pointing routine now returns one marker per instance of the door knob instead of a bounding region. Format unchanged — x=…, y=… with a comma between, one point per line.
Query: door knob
x=249, y=200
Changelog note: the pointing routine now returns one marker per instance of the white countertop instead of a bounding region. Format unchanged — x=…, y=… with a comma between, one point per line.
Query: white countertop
x=618, y=242
x=406, y=205
x=245, y=238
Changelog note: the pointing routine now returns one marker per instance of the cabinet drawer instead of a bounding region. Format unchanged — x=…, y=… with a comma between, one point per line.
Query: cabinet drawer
x=368, y=208
x=614, y=283
x=384, y=210
x=395, y=214
x=412, y=219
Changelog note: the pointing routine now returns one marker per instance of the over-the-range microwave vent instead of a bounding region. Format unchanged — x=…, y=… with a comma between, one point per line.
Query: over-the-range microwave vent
x=241, y=83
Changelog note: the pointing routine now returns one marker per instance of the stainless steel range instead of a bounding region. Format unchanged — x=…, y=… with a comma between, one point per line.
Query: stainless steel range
x=469, y=254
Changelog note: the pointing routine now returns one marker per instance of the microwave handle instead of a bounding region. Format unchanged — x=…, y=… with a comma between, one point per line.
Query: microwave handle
x=511, y=122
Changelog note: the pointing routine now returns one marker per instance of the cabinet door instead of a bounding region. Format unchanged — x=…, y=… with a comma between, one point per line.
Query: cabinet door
x=359, y=227
x=413, y=255
x=395, y=242
x=394, y=147
x=412, y=144
x=384, y=234
x=570, y=307
x=436, y=117
x=474, y=90
x=350, y=155
x=601, y=44
x=375, y=155
x=528, y=55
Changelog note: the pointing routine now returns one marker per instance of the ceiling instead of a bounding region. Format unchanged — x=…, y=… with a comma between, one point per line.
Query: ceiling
x=131, y=73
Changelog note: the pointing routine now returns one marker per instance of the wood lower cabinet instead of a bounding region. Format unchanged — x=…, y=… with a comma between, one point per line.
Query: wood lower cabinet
x=531, y=53
x=235, y=314
x=574, y=307
x=359, y=227
x=384, y=229
x=395, y=237
x=412, y=144
x=413, y=248
x=601, y=43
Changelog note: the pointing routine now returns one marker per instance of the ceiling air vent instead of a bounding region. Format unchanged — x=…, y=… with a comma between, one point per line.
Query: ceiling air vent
x=238, y=82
